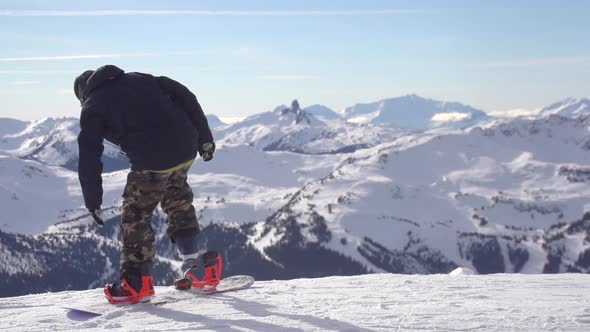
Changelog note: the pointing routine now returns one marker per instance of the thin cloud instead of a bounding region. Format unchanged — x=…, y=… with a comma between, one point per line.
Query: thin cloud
x=57, y=13
x=72, y=57
x=288, y=77
x=13, y=92
x=39, y=72
x=514, y=113
x=114, y=55
x=231, y=119
x=25, y=83
x=450, y=117
x=545, y=61
x=65, y=91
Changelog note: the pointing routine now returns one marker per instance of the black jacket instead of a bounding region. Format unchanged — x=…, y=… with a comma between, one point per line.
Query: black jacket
x=157, y=122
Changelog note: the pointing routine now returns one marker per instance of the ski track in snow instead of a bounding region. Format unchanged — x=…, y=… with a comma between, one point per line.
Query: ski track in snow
x=378, y=302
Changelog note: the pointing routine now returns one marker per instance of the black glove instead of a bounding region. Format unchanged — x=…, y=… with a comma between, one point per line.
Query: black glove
x=96, y=216
x=206, y=151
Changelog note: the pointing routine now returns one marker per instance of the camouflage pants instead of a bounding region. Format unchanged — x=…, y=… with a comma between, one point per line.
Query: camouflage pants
x=143, y=192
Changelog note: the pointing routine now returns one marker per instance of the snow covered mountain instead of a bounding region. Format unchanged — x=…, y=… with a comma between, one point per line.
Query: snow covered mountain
x=9, y=126
x=504, y=196
x=223, y=191
x=379, y=302
x=321, y=111
x=417, y=113
x=52, y=142
x=297, y=130
x=34, y=195
x=569, y=107
x=214, y=121
x=509, y=197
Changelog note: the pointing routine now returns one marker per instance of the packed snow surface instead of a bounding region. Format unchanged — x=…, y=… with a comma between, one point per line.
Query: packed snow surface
x=378, y=302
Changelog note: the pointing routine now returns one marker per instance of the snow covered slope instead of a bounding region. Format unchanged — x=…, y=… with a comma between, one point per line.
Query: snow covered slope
x=414, y=112
x=34, y=196
x=243, y=184
x=379, y=302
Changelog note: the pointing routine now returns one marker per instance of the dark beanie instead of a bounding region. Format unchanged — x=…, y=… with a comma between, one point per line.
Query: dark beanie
x=80, y=84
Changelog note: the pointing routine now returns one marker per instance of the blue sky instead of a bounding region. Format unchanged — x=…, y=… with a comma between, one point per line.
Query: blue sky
x=246, y=57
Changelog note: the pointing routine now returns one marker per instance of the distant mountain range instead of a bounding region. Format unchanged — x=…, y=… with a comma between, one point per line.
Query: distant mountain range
x=304, y=192
x=299, y=130
x=413, y=112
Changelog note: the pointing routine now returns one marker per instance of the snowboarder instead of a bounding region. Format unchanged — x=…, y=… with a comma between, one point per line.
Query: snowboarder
x=159, y=124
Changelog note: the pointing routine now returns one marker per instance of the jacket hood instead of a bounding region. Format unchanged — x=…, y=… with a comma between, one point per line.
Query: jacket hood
x=91, y=79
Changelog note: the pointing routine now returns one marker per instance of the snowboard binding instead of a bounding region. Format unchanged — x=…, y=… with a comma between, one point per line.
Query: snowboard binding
x=124, y=292
x=212, y=270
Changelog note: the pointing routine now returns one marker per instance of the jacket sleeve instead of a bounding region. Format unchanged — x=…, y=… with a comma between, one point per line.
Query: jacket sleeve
x=183, y=97
x=90, y=145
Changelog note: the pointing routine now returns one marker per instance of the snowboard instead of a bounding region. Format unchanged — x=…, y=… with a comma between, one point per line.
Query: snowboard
x=98, y=305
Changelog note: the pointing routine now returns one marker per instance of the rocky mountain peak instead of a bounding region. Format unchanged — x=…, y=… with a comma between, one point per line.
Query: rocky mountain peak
x=300, y=115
